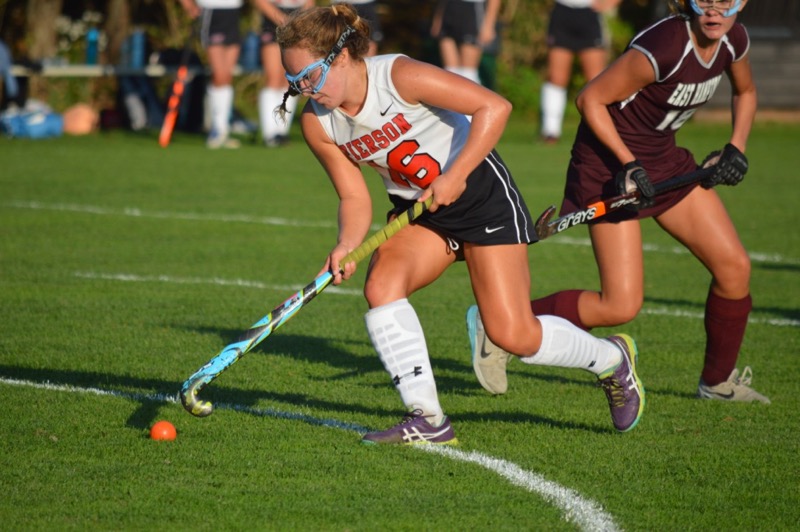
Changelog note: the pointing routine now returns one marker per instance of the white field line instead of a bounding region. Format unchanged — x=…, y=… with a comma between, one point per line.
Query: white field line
x=585, y=513
x=755, y=256
x=138, y=213
x=131, y=278
x=768, y=258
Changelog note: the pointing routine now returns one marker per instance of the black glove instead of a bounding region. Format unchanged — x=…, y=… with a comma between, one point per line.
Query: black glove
x=633, y=177
x=730, y=166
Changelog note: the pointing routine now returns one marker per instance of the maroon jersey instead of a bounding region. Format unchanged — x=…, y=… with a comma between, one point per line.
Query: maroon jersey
x=648, y=120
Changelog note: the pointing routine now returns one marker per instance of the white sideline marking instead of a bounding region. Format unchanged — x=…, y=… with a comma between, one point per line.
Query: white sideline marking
x=769, y=258
x=138, y=213
x=755, y=256
x=131, y=278
x=585, y=513
x=777, y=322
x=128, y=277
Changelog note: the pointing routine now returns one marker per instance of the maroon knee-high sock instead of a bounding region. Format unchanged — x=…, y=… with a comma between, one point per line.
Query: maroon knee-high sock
x=563, y=304
x=725, y=320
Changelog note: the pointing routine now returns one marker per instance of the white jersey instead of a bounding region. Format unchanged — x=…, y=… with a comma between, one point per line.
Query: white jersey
x=219, y=4
x=408, y=144
x=289, y=4
x=576, y=4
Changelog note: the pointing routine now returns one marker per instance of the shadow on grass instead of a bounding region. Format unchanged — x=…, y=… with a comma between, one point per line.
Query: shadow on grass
x=151, y=394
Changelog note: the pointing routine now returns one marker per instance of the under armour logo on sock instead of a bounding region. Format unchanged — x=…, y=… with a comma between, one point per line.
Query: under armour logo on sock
x=415, y=373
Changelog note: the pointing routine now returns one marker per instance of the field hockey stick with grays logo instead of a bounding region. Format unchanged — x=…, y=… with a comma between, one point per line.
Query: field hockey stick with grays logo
x=545, y=227
x=281, y=314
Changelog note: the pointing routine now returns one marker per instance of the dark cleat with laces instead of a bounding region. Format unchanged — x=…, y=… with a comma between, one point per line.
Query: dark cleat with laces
x=624, y=390
x=414, y=429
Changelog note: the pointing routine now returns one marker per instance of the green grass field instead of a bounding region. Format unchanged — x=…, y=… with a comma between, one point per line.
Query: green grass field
x=125, y=267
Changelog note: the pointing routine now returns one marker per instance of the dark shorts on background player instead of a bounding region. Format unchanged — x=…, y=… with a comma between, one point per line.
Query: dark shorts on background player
x=576, y=29
x=220, y=27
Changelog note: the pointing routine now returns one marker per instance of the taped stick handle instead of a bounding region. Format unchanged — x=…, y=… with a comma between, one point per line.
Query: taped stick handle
x=281, y=314
x=683, y=180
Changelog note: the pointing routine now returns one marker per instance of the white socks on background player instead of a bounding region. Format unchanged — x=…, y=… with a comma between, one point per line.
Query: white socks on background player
x=467, y=72
x=221, y=104
x=268, y=101
x=566, y=346
x=554, y=103
x=397, y=336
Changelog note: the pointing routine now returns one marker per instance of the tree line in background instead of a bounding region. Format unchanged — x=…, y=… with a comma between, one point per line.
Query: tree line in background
x=47, y=30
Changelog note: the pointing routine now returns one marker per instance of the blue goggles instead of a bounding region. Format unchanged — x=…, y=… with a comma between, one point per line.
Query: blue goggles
x=311, y=79
x=726, y=8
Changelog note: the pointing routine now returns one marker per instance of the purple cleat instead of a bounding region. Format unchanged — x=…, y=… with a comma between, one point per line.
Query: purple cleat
x=624, y=390
x=414, y=429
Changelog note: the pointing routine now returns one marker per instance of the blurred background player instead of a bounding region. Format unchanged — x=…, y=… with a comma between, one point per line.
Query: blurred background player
x=464, y=28
x=368, y=10
x=220, y=36
x=275, y=132
x=576, y=28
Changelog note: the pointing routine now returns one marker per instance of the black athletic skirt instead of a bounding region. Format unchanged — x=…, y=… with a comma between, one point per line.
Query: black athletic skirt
x=491, y=211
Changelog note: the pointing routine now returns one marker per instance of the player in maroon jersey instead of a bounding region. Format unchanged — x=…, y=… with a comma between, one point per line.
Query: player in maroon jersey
x=626, y=140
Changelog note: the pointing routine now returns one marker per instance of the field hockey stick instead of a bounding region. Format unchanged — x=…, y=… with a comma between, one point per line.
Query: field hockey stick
x=281, y=314
x=545, y=227
x=176, y=93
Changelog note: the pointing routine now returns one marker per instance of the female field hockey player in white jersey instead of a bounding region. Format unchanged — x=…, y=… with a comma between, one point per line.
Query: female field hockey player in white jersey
x=631, y=114
x=407, y=120
x=220, y=36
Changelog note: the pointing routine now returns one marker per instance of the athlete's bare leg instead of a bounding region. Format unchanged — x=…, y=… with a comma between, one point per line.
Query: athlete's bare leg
x=222, y=60
x=412, y=259
x=701, y=223
x=470, y=55
x=559, y=66
x=618, y=253
x=448, y=50
x=592, y=61
x=501, y=283
x=274, y=77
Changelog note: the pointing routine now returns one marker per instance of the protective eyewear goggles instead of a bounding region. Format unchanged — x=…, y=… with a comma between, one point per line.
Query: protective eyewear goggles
x=311, y=79
x=726, y=8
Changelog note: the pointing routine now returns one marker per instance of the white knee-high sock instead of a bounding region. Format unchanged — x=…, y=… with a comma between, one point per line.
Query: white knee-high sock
x=221, y=103
x=397, y=336
x=554, y=103
x=268, y=101
x=567, y=346
x=291, y=107
x=471, y=74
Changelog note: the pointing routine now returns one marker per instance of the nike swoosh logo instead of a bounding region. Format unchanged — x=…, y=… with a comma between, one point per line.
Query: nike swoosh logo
x=383, y=113
x=722, y=395
x=493, y=229
x=484, y=353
